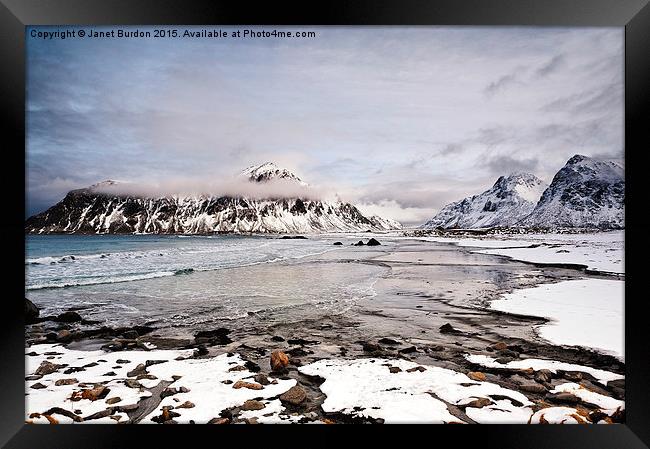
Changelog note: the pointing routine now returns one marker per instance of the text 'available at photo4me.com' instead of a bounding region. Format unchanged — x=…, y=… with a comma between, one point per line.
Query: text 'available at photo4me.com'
x=168, y=33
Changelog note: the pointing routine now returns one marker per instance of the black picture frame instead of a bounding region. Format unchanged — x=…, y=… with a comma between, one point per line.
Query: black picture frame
x=633, y=15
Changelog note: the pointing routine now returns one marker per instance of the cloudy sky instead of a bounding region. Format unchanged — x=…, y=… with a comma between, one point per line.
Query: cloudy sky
x=397, y=120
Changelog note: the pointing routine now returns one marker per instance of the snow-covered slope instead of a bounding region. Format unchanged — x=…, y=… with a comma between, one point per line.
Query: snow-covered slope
x=92, y=210
x=509, y=200
x=585, y=193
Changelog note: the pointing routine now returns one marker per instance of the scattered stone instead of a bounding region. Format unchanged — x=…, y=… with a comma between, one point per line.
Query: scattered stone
x=338, y=243
x=237, y=368
x=298, y=352
x=131, y=335
x=38, y=386
x=436, y=348
x=92, y=394
x=31, y=312
x=408, y=350
x=533, y=388
x=370, y=347
x=499, y=346
x=261, y=379
x=219, y=421
x=477, y=376
x=301, y=341
x=479, y=403
x=113, y=400
x=449, y=329
x=250, y=385
x=100, y=414
x=132, y=383
x=68, y=317
x=373, y=242
x=295, y=395
x=359, y=243
x=166, y=416
x=395, y=369
x=252, y=366
x=33, y=377
x=563, y=397
x=543, y=376
x=572, y=376
x=277, y=338
x=64, y=412
x=122, y=361
x=416, y=368
x=388, y=341
x=252, y=404
x=200, y=350
x=279, y=360
x=217, y=336
x=227, y=381
x=68, y=381
x=508, y=353
x=140, y=369
x=47, y=368
x=110, y=373
x=186, y=404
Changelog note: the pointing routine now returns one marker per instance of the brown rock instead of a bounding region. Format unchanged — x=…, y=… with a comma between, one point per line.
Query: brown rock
x=64, y=336
x=92, y=394
x=543, y=375
x=219, y=421
x=499, y=346
x=51, y=419
x=479, y=403
x=416, y=368
x=279, y=360
x=47, y=368
x=38, y=386
x=250, y=385
x=252, y=405
x=238, y=368
x=476, y=375
x=261, y=378
x=114, y=400
x=395, y=369
x=186, y=404
x=295, y=395
x=68, y=381
x=533, y=388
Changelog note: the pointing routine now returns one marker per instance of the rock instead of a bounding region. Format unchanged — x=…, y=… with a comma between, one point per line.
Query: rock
x=200, y=350
x=388, y=341
x=373, y=242
x=416, y=368
x=47, y=368
x=33, y=377
x=252, y=404
x=476, y=375
x=395, y=369
x=237, y=368
x=219, y=421
x=68, y=317
x=508, y=353
x=252, y=366
x=370, y=347
x=64, y=336
x=533, y=388
x=92, y=394
x=279, y=360
x=131, y=335
x=217, y=336
x=563, y=397
x=295, y=395
x=123, y=361
x=499, y=346
x=132, y=383
x=504, y=360
x=436, y=348
x=288, y=237
x=408, y=350
x=449, y=329
x=543, y=376
x=100, y=414
x=573, y=376
x=479, y=403
x=250, y=385
x=338, y=243
x=359, y=243
x=38, y=386
x=31, y=312
x=301, y=341
x=68, y=381
x=261, y=379
x=186, y=404
x=138, y=370
x=277, y=338
x=113, y=400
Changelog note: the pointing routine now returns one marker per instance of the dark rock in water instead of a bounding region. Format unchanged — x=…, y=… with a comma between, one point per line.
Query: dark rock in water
x=31, y=312
x=68, y=317
x=408, y=350
x=388, y=341
x=338, y=243
x=371, y=347
x=301, y=341
x=359, y=243
x=217, y=336
x=277, y=338
x=252, y=366
x=295, y=395
x=449, y=329
x=373, y=242
x=293, y=237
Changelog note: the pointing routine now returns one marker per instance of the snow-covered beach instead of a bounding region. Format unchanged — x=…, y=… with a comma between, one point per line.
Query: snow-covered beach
x=424, y=331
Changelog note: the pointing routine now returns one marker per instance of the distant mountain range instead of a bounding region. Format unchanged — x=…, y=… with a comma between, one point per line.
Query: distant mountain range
x=95, y=210
x=585, y=193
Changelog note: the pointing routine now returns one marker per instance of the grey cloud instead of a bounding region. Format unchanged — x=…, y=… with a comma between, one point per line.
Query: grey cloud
x=551, y=66
x=506, y=165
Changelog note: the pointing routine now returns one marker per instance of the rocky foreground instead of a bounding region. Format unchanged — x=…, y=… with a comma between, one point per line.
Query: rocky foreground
x=79, y=371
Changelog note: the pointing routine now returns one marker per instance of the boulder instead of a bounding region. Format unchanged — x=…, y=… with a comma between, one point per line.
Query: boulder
x=476, y=375
x=68, y=317
x=373, y=242
x=31, y=312
x=252, y=404
x=279, y=360
x=250, y=385
x=359, y=243
x=294, y=395
x=338, y=243
x=533, y=388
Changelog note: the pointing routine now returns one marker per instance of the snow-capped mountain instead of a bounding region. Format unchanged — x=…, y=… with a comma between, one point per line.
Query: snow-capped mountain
x=510, y=199
x=100, y=209
x=585, y=193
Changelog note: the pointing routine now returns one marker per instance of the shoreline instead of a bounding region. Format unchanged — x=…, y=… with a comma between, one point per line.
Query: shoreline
x=423, y=314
